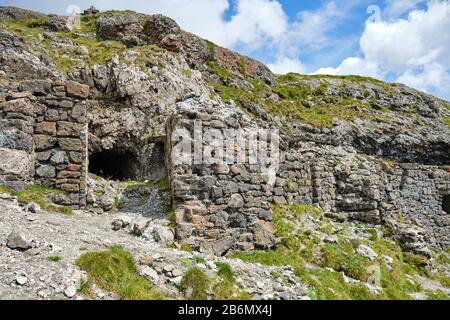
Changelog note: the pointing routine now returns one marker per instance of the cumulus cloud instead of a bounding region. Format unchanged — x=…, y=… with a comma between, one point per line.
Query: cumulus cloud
x=416, y=49
x=397, y=8
x=354, y=66
x=285, y=65
x=253, y=23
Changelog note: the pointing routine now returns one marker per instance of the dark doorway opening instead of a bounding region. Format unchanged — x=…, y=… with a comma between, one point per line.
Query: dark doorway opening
x=446, y=203
x=115, y=165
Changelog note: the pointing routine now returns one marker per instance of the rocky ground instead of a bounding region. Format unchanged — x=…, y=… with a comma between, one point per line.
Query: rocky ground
x=46, y=246
x=31, y=274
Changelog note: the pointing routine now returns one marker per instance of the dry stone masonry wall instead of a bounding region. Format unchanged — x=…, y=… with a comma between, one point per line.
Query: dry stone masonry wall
x=224, y=205
x=229, y=206
x=44, y=128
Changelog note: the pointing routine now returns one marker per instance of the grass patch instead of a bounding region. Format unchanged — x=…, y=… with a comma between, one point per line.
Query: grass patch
x=38, y=195
x=54, y=258
x=299, y=246
x=171, y=218
x=115, y=270
x=446, y=121
x=187, y=248
x=5, y=189
x=84, y=287
x=195, y=284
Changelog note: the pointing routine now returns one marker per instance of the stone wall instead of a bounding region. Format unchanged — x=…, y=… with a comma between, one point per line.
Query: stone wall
x=222, y=205
x=44, y=134
x=408, y=198
x=228, y=206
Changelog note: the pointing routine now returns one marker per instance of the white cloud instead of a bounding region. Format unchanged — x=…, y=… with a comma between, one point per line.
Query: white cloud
x=253, y=23
x=354, y=66
x=285, y=65
x=431, y=75
x=416, y=49
x=397, y=8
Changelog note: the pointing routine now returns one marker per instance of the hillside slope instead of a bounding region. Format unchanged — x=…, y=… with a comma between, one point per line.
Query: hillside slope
x=362, y=163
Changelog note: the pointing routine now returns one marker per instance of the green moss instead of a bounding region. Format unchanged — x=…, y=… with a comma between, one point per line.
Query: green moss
x=117, y=203
x=150, y=56
x=100, y=52
x=164, y=184
x=115, y=270
x=38, y=194
x=343, y=258
x=195, y=282
x=88, y=24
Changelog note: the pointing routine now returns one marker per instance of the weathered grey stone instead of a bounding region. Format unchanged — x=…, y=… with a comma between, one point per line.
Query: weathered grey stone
x=15, y=162
x=19, y=240
x=46, y=171
x=59, y=157
x=236, y=201
x=163, y=234
x=367, y=252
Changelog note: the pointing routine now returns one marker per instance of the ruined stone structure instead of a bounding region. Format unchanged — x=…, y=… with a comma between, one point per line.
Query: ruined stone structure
x=382, y=158
x=44, y=128
x=229, y=205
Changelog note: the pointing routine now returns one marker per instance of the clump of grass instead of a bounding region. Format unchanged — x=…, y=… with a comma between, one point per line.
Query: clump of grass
x=38, y=194
x=54, y=258
x=115, y=270
x=187, y=248
x=437, y=295
x=5, y=189
x=195, y=284
x=198, y=259
x=328, y=285
x=171, y=219
x=187, y=73
x=36, y=23
x=446, y=121
x=164, y=184
x=225, y=288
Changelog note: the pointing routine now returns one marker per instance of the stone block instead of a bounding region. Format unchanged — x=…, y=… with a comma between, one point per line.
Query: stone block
x=70, y=144
x=77, y=90
x=48, y=128
x=69, y=129
x=44, y=142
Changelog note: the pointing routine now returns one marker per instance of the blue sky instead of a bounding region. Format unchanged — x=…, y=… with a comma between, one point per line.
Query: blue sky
x=395, y=40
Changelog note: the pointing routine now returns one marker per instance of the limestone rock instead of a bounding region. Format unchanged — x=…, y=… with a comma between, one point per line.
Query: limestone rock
x=19, y=240
x=367, y=252
x=163, y=234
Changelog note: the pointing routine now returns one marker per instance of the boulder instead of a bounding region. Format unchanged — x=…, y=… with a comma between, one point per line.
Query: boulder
x=19, y=240
x=163, y=234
